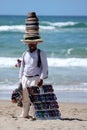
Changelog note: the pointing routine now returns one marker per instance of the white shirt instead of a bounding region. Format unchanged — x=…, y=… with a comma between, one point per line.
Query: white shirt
x=29, y=65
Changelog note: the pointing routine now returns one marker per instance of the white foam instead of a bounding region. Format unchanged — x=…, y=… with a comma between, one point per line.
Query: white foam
x=67, y=88
x=4, y=87
x=71, y=88
x=6, y=62
x=48, y=26
x=68, y=62
x=60, y=24
x=12, y=28
x=69, y=51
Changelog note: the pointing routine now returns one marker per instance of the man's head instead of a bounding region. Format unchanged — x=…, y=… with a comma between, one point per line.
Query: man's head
x=32, y=46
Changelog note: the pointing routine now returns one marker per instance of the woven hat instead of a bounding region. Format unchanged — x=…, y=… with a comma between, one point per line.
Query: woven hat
x=32, y=29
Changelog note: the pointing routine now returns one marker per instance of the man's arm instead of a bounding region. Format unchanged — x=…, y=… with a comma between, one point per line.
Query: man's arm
x=44, y=66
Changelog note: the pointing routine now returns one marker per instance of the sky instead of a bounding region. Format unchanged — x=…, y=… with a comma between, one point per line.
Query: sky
x=43, y=7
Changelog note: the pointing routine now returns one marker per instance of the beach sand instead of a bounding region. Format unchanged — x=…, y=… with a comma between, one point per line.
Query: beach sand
x=74, y=117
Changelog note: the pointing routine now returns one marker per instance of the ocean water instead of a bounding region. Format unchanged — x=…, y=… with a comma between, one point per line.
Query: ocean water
x=65, y=43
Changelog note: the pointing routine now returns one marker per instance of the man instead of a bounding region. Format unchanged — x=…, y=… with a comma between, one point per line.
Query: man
x=34, y=65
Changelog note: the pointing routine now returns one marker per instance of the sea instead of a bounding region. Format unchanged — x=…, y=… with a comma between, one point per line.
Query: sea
x=65, y=44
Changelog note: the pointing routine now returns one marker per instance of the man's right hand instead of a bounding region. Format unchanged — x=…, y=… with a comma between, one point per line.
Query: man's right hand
x=40, y=83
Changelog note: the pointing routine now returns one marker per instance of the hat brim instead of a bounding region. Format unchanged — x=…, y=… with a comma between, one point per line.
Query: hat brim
x=31, y=41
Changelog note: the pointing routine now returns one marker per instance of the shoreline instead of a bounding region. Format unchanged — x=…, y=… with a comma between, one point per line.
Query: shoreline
x=73, y=117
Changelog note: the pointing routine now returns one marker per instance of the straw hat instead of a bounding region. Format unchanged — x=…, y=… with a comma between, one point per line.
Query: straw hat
x=32, y=29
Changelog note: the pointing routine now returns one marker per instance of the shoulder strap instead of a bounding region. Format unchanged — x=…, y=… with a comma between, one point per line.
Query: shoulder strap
x=23, y=56
x=39, y=58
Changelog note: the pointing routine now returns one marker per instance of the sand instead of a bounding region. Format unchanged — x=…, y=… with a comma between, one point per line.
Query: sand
x=74, y=117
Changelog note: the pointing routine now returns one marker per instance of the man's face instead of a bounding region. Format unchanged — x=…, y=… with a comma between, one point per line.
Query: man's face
x=32, y=46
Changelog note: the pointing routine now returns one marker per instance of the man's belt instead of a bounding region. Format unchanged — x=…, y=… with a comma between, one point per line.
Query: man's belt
x=32, y=76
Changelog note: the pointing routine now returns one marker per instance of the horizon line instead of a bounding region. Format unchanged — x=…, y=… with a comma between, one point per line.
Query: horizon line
x=40, y=15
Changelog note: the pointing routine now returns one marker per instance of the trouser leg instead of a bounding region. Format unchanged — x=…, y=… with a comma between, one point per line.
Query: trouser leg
x=27, y=82
x=25, y=100
x=33, y=82
x=26, y=104
x=25, y=110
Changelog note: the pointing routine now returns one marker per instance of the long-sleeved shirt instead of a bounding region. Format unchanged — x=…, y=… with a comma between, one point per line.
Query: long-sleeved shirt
x=29, y=65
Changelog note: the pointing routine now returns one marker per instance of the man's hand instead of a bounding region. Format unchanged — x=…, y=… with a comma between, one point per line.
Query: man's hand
x=40, y=82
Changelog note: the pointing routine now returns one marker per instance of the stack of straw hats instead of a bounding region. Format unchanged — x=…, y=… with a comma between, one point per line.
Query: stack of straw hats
x=32, y=29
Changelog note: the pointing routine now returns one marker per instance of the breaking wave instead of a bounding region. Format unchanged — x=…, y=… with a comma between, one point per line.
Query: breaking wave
x=45, y=26
x=8, y=62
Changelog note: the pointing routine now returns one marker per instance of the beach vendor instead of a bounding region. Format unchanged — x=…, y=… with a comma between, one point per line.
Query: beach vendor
x=34, y=67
